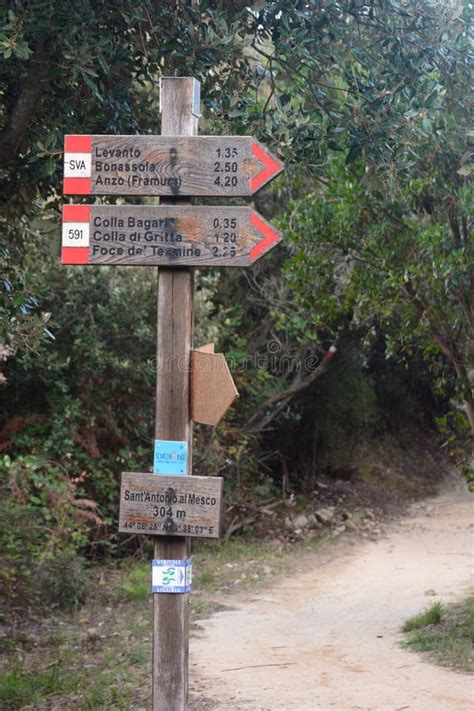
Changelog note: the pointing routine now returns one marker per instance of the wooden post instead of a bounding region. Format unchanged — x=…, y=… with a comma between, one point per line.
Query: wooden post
x=173, y=421
x=227, y=166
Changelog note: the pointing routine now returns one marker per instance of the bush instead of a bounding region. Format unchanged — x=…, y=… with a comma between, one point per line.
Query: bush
x=44, y=524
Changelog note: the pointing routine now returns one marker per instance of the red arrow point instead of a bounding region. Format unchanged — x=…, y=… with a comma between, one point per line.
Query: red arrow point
x=272, y=167
x=270, y=236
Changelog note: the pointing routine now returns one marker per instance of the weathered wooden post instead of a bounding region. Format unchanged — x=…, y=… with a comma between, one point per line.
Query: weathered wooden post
x=175, y=236
x=179, y=117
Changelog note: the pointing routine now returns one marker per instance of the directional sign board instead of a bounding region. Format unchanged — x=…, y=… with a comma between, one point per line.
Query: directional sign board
x=171, y=505
x=212, y=387
x=166, y=235
x=167, y=165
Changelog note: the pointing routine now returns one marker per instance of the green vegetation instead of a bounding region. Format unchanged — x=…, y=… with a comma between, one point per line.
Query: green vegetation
x=110, y=634
x=137, y=584
x=20, y=688
x=43, y=523
x=446, y=632
x=431, y=616
x=368, y=106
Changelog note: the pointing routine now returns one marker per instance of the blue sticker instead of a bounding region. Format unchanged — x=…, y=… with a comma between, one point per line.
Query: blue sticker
x=170, y=457
x=172, y=576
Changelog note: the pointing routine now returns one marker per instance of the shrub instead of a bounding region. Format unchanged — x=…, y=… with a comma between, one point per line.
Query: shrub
x=44, y=524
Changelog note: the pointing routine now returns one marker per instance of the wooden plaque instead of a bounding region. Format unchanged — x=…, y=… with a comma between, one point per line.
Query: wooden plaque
x=167, y=165
x=212, y=387
x=165, y=235
x=171, y=505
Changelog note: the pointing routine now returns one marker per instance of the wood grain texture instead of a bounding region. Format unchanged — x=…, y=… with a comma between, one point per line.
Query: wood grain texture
x=178, y=235
x=171, y=505
x=212, y=387
x=174, y=343
x=206, y=348
x=175, y=165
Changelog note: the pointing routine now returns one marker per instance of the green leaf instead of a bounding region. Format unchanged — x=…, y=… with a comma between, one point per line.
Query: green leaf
x=22, y=50
x=354, y=152
x=92, y=85
x=427, y=126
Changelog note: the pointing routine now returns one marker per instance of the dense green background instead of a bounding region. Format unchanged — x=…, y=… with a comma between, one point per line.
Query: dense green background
x=367, y=104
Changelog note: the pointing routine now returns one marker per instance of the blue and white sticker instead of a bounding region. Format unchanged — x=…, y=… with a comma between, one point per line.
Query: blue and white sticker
x=172, y=576
x=170, y=457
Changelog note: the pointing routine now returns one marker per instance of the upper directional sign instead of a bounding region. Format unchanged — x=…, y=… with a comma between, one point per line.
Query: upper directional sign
x=167, y=165
x=166, y=235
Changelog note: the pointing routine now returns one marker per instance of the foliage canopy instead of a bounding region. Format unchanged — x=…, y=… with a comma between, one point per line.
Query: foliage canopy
x=368, y=104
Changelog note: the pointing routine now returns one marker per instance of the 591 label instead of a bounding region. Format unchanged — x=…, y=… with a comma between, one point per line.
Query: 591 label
x=75, y=234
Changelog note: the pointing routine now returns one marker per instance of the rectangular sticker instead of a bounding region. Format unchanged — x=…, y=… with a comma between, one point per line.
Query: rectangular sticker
x=77, y=165
x=172, y=576
x=75, y=234
x=170, y=457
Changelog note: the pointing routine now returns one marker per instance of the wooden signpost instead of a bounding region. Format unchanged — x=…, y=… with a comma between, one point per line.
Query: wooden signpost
x=175, y=236
x=171, y=505
x=167, y=165
x=165, y=235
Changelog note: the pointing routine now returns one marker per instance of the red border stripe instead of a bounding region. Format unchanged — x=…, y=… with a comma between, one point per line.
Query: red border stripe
x=78, y=144
x=76, y=213
x=77, y=186
x=75, y=255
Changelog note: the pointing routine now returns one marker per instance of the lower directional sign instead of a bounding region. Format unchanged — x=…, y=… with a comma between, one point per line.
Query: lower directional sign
x=165, y=235
x=171, y=505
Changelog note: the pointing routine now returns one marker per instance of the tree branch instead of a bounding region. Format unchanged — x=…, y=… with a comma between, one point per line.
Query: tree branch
x=20, y=115
x=275, y=404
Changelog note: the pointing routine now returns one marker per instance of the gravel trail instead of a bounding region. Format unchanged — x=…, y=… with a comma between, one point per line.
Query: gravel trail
x=328, y=637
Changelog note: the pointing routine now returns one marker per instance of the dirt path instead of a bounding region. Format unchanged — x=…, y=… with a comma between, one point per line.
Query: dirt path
x=328, y=638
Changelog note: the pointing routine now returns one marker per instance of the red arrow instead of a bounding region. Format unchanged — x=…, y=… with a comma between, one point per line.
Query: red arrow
x=272, y=167
x=270, y=236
